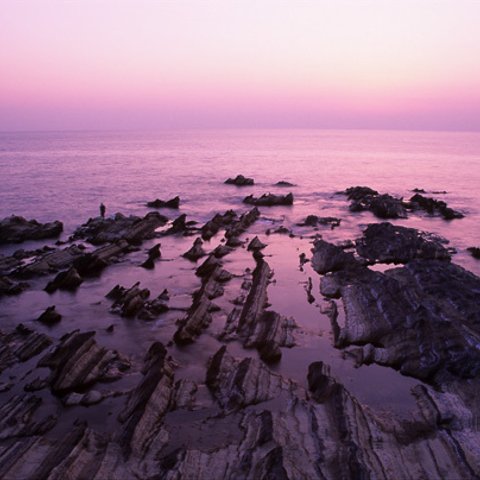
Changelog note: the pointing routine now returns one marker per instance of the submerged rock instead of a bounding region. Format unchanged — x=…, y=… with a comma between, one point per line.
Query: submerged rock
x=50, y=316
x=240, y=181
x=172, y=203
x=15, y=229
x=9, y=287
x=434, y=207
x=283, y=183
x=387, y=243
x=256, y=245
x=269, y=200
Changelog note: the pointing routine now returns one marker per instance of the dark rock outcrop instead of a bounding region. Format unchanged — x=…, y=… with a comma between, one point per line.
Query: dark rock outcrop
x=255, y=245
x=78, y=363
x=67, y=280
x=196, y=251
x=475, y=252
x=16, y=229
x=172, y=203
x=153, y=254
x=382, y=206
x=387, y=243
x=133, y=302
x=50, y=316
x=329, y=258
x=434, y=207
x=283, y=183
x=133, y=229
x=269, y=200
x=240, y=181
x=421, y=319
x=9, y=287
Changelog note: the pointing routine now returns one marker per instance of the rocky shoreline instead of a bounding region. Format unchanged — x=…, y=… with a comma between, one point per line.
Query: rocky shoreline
x=208, y=396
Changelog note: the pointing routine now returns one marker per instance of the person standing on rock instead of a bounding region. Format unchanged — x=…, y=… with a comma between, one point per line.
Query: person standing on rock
x=102, y=210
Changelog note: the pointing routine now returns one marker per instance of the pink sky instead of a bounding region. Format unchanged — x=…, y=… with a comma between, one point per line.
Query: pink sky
x=267, y=63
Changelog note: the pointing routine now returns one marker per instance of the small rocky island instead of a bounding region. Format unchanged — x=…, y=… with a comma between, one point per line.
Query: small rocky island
x=230, y=385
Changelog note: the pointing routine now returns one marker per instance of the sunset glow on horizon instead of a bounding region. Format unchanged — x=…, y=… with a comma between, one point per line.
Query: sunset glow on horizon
x=145, y=64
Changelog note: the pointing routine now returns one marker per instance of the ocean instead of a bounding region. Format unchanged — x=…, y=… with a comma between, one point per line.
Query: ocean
x=66, y=175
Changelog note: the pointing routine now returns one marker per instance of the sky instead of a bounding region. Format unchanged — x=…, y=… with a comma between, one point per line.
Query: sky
x=118, y=64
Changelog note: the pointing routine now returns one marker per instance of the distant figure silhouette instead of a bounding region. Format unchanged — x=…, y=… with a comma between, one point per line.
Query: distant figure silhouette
x=102, y=210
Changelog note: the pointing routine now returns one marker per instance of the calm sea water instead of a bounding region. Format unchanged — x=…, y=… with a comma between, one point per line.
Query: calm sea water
x=65, y=176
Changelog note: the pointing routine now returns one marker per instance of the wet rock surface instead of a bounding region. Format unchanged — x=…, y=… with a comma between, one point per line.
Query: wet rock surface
x=17, y=229
x=387, y=243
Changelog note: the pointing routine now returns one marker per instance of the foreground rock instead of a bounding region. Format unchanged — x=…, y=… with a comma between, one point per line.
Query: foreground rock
x=240, y=181
x=269, y=200
x=17, y=229
x=78, y=362
x=434, y=207
x=133, y=229
x=256, y=326
x=330, y=258
x=172, y=203
x=154, y=253
x=386, y=243
x=382, y=206
x=421, y=319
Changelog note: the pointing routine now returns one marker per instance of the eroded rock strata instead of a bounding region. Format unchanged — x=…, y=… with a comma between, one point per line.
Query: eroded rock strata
x=15, y=229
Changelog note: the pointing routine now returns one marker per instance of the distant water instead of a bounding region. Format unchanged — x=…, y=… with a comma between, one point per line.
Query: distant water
x=65, y=175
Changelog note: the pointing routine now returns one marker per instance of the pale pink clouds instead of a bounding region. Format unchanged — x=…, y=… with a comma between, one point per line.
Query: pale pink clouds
x=149, y=64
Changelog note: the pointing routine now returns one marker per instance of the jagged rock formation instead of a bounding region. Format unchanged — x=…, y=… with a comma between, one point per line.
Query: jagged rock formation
x=421, y=319
x=257, y=327
x=153, y=254
x=196, y=251
x=240, y=181
x=386, y=243
x=133, y=302
x=433, y=207
x=133, y=229
x=172, y=203
x=67, y=280
x=16, y=229
x=78, y=363
x=382, y=206
x=199, y=316
x=269, y=200
x=50, y=316
x=256, y=245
